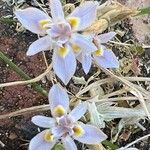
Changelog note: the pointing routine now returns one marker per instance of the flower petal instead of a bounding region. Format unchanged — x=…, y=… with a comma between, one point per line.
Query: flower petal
x=38, y=142
x=108, y=60
x=64, y=67
x=60, y=32
x=104, y=38
x=86, y=62
x=56, y=10
x=58, y=131
x=78, y=111
x=122, y=148
x=58, y=96
x=84, y=43
x=131, y=149
x=39, y=45
x=68, y=143
x=92, y=135
x=30, y=18
x=43, y=121
x=86, y=13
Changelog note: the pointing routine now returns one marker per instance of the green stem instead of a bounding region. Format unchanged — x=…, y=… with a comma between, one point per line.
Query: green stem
x=22, y=74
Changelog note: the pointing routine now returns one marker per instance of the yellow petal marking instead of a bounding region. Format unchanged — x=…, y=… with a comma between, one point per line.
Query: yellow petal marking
x=48, y=137
x=76, y=48
x=73, y=21
x=42, y=23
x=78, y=131
x=99, y=52
x=59, y=111
x=62, y=51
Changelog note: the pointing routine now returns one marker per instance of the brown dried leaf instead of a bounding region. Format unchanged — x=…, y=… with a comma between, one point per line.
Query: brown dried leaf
x=119, y=10
x=98, y=27
x=97, y=147
x=109, y=14
x=68, y=8
x=125, y=135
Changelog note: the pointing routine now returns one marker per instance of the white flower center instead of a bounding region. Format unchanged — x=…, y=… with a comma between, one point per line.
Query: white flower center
x=69, y=126
x=60, y=32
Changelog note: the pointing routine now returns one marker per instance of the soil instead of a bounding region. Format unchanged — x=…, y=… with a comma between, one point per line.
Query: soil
x=16, y=132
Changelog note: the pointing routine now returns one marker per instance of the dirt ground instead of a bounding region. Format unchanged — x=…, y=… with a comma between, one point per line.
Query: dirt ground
x=16, y=132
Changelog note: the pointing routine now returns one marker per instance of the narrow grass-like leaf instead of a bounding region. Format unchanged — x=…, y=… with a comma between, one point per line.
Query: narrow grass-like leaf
x=22, y=74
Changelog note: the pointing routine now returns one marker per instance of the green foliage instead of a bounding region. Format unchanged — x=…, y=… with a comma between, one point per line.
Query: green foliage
x=59, y=147
x=63, y=2
x=110, y=145
x=9, y=21
x=144, y=11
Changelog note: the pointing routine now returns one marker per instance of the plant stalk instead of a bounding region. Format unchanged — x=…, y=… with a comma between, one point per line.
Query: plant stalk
x=22, y=74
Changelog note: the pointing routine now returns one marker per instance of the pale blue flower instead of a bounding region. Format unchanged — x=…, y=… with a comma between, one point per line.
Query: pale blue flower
x=64, y=126
x=103, y=56
x=60, y=34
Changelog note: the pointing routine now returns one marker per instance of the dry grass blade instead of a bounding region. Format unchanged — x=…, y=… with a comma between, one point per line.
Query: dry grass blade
x=140, y=139
x=118, y=92
x=95, y=84
x=129, y=98
x=27, y=81
x=137, y=78
x=97, y=147
x=26, y=111
x=133, y=90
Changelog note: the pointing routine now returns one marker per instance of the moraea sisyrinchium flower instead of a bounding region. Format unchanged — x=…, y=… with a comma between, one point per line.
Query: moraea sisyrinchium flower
x=60, y=34
x=64, y=126
x=103, y=56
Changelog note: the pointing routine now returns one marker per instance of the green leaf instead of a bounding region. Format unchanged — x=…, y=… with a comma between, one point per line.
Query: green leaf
x=9, y=21
x=59, y=147
x=110, y=145
x=22, y=74
x=144, y=11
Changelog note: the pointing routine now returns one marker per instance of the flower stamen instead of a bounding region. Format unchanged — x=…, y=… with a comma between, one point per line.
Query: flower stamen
x=43, y=23
x=78, y=131
x=63, y=51
x=48, y=137
x=99, y=52
x=76, y=48
x=59, y=111
x=73, y=21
